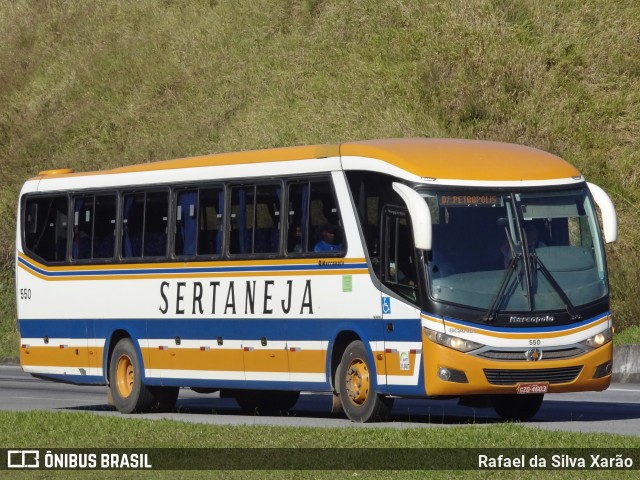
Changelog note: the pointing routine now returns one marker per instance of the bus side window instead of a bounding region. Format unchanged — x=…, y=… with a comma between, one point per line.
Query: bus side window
x=367, y=190
x=255, y=219
x=400, y=272
x=45, y=227
x=82, y=227
x=186, y=222
x=211, y=211
x=314, y=223
x=267, y=221
x=144, y=224
x=132, y=224
x=155, y=224
x=104, y=226
x=297, y=217
x=325, y=222
x=94, y=219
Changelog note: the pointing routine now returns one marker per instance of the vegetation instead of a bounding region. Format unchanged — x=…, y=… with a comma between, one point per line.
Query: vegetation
x=70, y=430
x=628, y=336
x=92, y=85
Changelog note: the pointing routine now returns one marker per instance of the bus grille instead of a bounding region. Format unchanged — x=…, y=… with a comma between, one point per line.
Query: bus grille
x=519, y=355
x=551, y=375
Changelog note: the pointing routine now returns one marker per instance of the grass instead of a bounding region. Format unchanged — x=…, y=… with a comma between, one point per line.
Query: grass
x=630, y=336
x=91, y=85
x=9, y=337
x=84, y=430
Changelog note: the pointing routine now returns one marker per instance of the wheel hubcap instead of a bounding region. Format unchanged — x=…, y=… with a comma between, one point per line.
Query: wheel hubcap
x=124, y=376
x=357, y=381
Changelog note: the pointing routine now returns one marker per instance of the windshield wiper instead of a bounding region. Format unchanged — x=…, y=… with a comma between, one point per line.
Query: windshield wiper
x=571, y=310
x=490, y=316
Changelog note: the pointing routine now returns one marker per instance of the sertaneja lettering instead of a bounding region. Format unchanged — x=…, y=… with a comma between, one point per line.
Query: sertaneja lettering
x=233, y=297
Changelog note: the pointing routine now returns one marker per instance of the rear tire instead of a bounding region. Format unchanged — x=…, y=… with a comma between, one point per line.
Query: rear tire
x=129, y=393
x=354, y=384
x=517, y=407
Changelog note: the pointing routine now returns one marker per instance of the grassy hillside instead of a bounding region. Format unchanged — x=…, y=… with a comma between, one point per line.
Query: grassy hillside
x=91, y=85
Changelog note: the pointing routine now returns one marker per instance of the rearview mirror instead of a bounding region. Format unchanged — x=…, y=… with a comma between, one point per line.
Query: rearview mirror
x=419, y=213
x=608, y=212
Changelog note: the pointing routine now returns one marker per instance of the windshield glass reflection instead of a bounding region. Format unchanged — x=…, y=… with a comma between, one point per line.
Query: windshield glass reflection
x=515, y=252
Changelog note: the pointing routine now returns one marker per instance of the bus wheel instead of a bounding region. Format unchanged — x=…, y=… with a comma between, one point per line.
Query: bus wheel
x=125, y=380
x=354, y=378
x=266, y=401
x=517, y=407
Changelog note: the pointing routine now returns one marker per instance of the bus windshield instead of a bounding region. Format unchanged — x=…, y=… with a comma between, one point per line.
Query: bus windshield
x=515, y=252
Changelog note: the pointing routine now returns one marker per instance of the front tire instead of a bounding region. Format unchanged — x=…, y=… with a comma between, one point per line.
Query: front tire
x=129, y=393
x=354, y=382
x=517, y=407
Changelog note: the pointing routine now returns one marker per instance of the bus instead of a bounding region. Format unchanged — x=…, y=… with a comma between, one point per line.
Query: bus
x=370, y=270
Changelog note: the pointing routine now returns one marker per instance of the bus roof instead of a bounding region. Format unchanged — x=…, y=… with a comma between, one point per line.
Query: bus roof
x=473, y=160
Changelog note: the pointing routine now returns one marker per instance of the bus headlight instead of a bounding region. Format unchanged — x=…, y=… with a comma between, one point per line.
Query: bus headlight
x=450, y=341
x=599, y=339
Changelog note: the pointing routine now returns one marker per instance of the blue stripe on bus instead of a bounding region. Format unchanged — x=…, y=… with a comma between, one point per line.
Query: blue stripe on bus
x=312, y=329
x=232, y=328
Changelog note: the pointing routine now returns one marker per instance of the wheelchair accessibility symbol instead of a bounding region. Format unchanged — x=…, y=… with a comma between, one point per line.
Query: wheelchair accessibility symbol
x=386, y=305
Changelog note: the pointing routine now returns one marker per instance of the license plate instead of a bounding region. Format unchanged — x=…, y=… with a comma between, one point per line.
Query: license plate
x=527, y=388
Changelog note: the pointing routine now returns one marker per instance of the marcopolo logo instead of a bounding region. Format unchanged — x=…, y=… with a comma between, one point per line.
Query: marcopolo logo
x=535, y=319
x=23, y=459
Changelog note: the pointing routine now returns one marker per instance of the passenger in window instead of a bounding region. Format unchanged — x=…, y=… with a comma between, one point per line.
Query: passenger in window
x=330, y=239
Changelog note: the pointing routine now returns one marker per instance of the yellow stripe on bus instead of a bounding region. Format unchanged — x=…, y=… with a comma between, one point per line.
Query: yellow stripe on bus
x=261, y=263
x=234, y=360
x=57, y=356
x=158, y=276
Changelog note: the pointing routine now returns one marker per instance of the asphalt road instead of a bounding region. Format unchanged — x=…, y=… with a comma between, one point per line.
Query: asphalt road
x=616, y=410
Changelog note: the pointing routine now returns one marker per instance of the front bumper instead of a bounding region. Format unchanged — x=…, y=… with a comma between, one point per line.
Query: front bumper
x=487, y=376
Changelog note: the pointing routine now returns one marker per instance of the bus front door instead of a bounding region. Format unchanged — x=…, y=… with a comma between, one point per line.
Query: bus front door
x=400, y=310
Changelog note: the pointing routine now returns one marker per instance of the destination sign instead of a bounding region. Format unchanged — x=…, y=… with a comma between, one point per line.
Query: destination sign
x=469, y=200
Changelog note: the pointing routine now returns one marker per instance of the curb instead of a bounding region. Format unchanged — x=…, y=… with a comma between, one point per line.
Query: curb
x=626, y=366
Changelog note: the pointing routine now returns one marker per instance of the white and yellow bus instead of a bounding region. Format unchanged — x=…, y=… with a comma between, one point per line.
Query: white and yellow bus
x=373, y=270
